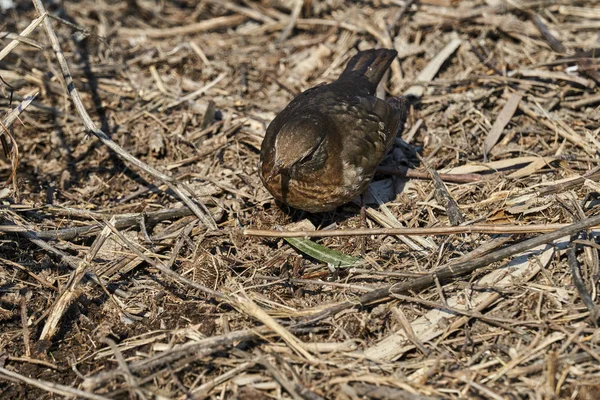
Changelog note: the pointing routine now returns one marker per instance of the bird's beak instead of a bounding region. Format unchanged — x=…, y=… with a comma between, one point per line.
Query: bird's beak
x=276, y=170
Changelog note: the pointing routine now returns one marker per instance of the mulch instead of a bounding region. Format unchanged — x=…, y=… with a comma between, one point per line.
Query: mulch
x=141, y=256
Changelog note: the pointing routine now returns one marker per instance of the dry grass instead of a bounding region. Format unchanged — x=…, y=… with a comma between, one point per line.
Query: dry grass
x=112, y=287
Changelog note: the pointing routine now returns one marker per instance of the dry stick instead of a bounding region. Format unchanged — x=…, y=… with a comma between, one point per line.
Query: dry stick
x=170, y=369
x=480, y=388
x=292, y=21
x=24, y=326
x=15, y=36
x=388, y=220
x=41, y=281
x=202, y=26
x=195, y=94
x=183, y=236
x=456, y=270
x=306, y=393
x=66, y=297
x=186, y=354
x=42, y=108
x=537, y=366
x=554, y=76
x=245, y=304
x=50, y=386
x=14, y=43
x=280, y=378
x=401, y=11
x=444, y=230
x=90, y=126
x=249, y=12
x=574, y=337
x=551, y=359
x=432, y=68
x=585, y=101
x=5, y=124
x=413, y=131
x=129, y=378
x=502, y=120
x=310, y=23
x=405, y=172
x=443, y=196
x=301, y=281
x=14, y=113
x=592, y=175
x=588, y=67
x=499, y=322
x=486, y=60
x=164, y=269
x=207, y=150
x=203, y=347
x=547, y=122
x=379, y=391
x=29, y=360
x=71, y=261
x=554, y=43
x=578, y=282
x=583, y=12
x=408, y=330
x=202, y=391
x=121, y=222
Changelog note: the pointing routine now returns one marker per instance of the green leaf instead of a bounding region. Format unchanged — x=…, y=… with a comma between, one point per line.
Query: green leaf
x=323, y=253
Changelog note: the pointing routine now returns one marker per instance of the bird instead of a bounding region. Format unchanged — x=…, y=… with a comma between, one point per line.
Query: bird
x=322, y=150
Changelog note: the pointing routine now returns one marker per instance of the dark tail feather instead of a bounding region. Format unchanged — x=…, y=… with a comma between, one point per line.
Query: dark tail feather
x=370, y=63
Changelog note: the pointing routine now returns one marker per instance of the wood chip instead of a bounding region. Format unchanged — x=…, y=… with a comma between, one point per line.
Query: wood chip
x=501, y=121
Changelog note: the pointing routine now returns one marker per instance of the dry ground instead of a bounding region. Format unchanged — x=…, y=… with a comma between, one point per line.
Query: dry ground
x=111, y=287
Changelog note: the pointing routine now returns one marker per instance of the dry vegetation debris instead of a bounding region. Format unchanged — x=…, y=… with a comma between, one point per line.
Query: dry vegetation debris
x=131, y=132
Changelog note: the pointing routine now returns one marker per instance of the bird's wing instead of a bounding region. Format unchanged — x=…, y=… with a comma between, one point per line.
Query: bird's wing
x=371, y=125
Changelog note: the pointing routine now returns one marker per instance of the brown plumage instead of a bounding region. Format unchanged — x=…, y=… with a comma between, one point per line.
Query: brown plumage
x=321, y=151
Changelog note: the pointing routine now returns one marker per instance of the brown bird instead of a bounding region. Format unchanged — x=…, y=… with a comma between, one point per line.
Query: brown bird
x=321, y=151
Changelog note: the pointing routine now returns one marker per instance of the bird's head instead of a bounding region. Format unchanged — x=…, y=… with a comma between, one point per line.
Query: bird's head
x=295, y=143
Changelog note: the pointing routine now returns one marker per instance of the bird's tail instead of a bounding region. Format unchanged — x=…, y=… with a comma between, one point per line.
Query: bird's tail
x=370, y=63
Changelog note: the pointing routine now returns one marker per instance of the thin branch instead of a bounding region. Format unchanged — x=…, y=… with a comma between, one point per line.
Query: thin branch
x=67, y=296
x=164, y=269
x=49, y=386
x=30, y=28
x=121, y=222
x=201, y=348
x=579, y=283
x=439, y=231
x=408, y=173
